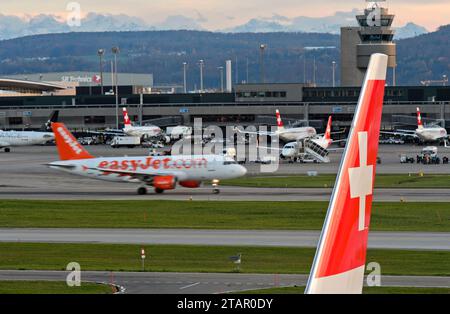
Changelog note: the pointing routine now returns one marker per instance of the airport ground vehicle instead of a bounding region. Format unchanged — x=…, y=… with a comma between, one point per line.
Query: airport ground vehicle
x=125, y=141
x=163, y=173
x=404, y=159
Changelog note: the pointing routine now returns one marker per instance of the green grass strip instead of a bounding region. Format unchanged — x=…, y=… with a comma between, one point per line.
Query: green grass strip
x=430, y=217
x=205, y=259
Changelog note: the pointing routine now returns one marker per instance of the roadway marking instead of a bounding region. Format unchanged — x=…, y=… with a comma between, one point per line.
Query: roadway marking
x=190, y=286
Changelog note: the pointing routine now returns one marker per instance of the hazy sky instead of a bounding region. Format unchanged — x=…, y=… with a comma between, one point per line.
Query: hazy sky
x=216, y=14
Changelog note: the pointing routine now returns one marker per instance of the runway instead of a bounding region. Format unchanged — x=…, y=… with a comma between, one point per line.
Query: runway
x=80, y=190
x=191, y=283
x=25, y=176
x=377, y=240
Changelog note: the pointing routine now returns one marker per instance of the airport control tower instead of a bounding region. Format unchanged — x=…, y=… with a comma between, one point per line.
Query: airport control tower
x=373, y=35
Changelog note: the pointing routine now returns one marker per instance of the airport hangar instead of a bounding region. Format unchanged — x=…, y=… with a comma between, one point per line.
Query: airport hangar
x=249, y=104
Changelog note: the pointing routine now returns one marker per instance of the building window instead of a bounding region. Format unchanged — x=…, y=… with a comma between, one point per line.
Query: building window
x=95, y=120
x=15, y=121
x=283, y=94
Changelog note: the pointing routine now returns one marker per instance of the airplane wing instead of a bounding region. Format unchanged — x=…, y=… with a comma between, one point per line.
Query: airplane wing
x=339, y=264
x=142, y=175
x=401, y=133
x=108, y=132
x=256, y=133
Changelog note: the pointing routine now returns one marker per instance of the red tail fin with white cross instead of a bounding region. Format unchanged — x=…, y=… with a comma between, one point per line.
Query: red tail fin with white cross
x=340, y=260
x=280, y=123
x=126, y=119
x=328, y=130
x=419, y=119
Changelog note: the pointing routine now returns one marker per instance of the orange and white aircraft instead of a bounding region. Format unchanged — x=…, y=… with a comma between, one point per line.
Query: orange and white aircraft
x=340, y=260
x=162, y=172
x=424, y=133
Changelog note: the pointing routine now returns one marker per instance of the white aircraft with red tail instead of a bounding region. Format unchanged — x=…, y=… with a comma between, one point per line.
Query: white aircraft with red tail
x=424, y=133
x=162, y=172
x=286, y=134
x=139, y=131
x=340, y=260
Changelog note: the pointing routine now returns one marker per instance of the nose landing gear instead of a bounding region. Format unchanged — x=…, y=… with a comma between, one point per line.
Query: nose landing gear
x=215, y=185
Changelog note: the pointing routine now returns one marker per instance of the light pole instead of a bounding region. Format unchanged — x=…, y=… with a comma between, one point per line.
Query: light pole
x=262, y=48
x=334, y=73
x=201, y=64
x=100, y=53
x=185, y=77
x=314, y=71
x=115, y=51
x=221, y=78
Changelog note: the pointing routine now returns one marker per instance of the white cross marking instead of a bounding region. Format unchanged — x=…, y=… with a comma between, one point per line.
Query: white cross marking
x=361, y=179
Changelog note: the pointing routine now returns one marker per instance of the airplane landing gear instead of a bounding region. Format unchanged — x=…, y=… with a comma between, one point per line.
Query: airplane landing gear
x=142, y=191
x=159, y=191
x=215, y=185
x=7, y=150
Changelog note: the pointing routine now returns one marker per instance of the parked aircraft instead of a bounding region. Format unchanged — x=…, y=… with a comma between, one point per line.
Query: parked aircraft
x=10, y=139
x=424, y=133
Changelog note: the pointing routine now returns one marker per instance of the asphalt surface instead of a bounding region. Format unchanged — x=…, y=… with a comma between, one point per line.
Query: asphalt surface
x=190, y=283
x=25, y=176
x=378, y=240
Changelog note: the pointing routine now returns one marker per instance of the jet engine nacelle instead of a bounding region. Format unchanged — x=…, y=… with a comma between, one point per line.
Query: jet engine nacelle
x=190, y=184
x=165, y=183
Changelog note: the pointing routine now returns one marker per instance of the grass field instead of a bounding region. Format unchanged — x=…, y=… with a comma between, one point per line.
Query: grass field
x=394, y=181
x=50, y=287
x=367, y=290
x=22, y=256
x=434, y=217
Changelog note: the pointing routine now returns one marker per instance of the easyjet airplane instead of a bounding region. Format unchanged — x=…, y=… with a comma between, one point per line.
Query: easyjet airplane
x=162, y=173
x=424, y=133
x=340, y=260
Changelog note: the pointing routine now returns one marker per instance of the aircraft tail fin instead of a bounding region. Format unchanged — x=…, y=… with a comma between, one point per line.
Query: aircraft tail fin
x=52, y=119
x=419, y=119
x=126, y=119
x=280, y=123
x=68, y=146
x=328, y=130
x=340, y=260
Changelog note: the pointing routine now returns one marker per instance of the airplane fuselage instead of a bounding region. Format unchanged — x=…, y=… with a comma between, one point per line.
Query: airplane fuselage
x=144, y=131
x=184, y=168
x=296, y=134
x=431, y=134
x=24, y=138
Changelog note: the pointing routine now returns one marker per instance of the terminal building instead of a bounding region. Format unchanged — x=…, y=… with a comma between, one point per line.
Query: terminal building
x=29, y=99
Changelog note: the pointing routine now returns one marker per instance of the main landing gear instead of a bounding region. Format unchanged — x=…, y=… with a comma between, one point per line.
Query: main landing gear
x=7, y=150
x=142, y=191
